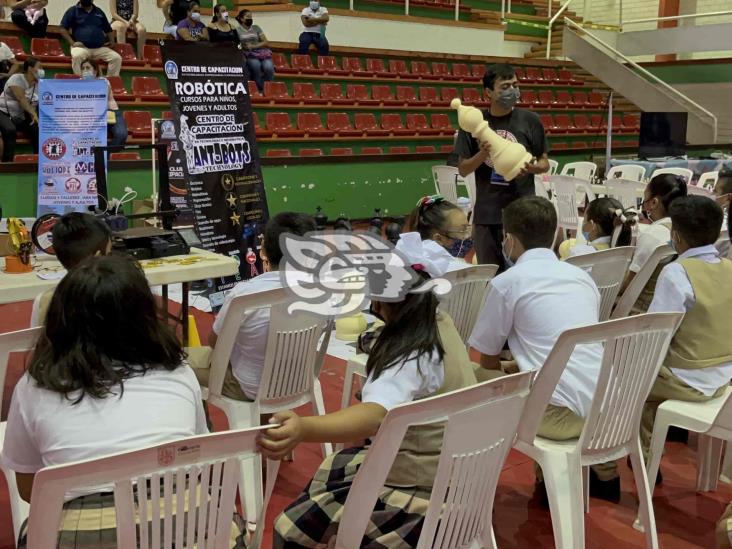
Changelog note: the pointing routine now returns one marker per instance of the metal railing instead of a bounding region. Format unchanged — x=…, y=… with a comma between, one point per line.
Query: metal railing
x=673, y=17
x=552, y=20
x=669, y=90
x=406, y=7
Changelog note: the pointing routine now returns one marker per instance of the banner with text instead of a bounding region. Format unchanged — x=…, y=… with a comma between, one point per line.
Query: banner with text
x=72, y=121
x=165, y=132
x=207, y=84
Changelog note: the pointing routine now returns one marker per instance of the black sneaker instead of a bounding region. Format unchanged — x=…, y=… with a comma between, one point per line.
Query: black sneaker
x=540, y=496
x=659, y=475
x=609, y=490
x=677, y=434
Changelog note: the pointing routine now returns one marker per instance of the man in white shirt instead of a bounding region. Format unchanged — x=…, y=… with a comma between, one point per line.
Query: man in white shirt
x=314, y=19
x=698, y=366
x=247, y=357
x=530, y=305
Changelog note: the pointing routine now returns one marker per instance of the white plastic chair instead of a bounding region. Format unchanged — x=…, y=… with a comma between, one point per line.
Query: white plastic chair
x=628, y=193
x=463, y=303
x=581, y=170
x=553, y=167
x=446, y=178
x=708, y=180
x=723, y=244
x=634, y=289
x=540, y=189
x=289, y=379
x=22, y=341
x=634, y=348
x=629, y=172
x=683, y=172
x=711, y=419
x=206, y=467
x=480, y=425
x=608, y=269
x=568, y=192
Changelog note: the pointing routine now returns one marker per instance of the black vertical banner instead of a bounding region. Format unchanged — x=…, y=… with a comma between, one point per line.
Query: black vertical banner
x=165, y=130
x=207, y=85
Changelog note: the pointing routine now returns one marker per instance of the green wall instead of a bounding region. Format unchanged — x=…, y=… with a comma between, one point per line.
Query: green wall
x=698, y=73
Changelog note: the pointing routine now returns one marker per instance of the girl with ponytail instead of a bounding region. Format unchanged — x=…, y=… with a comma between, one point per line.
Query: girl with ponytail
x=603, y=217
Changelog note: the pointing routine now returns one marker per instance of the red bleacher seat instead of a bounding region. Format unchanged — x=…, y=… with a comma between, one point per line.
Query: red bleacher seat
x=66, y=76
x=581, y=123
x=372, y=150
x=579, y=98
x=278, y=153
x=341, y=151
x=259, y=130
x=478, y=71
x=304, y=64
x=279, y=124
x=546, y=98
x=421, y=69
x=598, y=122
x=558, y=146
x=152, y=55
x=579, y=145
x=563, y=123
x=282, y=65
x=566, y=75
x=533, y=74
x=376, y=67
x=278, y=92
x=124, y=156
x=305, y=92
x=15, y=45
x=333, y=93
x=418, y=124
x=312, y=125
x=528, y=99
x=461, y=71
x=311, y=152
x=148, y=88
x=398, y=67
x=353, y=66
x=440, y=71
x=167, y=115
x=442, y=122
x=448, y=94
x=407, y=95
x=393, y=123
x=631, y=143
x=547, y=120
x=254, y=95
x=118, y=89
x=520, y=74
x=429, y=96
x=425, y=149
x=619, y=127
x=631, y=122
x=366, y=122
x=26, y=158
x=139, y=123
x=329, y=65
x=127, y=53
x=598, y=144
x=384, y=95
x=551, y=76
x=358, y=93
x=595, y=99
x=48, y=49
x=399, y=150
x=473, y=97
x=563, y=99
x=447, y=148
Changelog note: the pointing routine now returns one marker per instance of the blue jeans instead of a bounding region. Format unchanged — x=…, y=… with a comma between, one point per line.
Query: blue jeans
x=118, y=130
x=307, y=38
x=261, y=71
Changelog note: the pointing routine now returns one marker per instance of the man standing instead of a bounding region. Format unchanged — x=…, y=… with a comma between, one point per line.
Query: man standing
x=493, y=192
x=87, y=29
x=315, y=17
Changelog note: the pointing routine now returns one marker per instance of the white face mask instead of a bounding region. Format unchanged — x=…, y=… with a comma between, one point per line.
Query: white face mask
x=196, y=16
x=87, y=75
x=315, y=6
x=40, y=73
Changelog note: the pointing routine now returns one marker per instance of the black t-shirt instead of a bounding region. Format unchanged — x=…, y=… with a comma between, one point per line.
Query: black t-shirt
x=216, y=35
x=178, y=11
x=493, y=192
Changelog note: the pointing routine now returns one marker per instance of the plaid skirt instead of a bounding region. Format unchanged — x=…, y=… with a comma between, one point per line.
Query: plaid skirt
x=89, y=522
x=312, y=520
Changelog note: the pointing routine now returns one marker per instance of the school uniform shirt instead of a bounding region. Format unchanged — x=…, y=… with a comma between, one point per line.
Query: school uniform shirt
x=650, y=237
x=45, y=428
x=308, y=12
x=247, y=355
x=530, y=305
x=674, y=294
x=493, y=192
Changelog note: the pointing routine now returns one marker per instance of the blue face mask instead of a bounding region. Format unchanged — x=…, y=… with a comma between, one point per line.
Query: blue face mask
x=586, y=234
x=506, y=257
x=460, y=248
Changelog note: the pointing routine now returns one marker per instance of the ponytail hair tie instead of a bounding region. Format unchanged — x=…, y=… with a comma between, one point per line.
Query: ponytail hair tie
x=430, y=200
x=418, y=267
x=628, y=216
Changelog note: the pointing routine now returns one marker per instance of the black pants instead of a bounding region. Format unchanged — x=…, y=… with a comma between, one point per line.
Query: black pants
x=34, y=31
x=307, y=38
x=9, y=128
x=487, y=240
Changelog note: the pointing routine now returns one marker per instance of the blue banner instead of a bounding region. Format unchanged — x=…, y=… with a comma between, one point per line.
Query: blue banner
x=73, y=120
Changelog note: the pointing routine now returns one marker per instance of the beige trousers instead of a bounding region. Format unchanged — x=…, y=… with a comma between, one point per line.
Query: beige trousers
x=724, y=529
x=198, y=358
x=111, y=57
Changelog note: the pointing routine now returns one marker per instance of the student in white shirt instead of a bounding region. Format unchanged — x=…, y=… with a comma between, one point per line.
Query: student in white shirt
x=660, y=192
x=530, y=305
x=247, y=357
x=445, y=223
x=107, y=376
x=602, y=216
x=314, y=19
x=698, y=366
x=418, y=354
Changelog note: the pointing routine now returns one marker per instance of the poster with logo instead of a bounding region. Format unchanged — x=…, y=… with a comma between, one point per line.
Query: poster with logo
x=215, y=135
x=72, y=121
x=179, y=199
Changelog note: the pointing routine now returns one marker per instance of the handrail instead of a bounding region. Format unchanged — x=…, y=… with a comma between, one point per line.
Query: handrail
x=648, y=75
x=551, y=23
x=676, y=17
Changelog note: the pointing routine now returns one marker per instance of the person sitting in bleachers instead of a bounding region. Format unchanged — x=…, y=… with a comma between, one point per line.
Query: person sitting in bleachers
x=698, y=366
x=18, y=107
x=115, y=121
x=76, y=236
x=530, y=305
x=30, y=16
x=602, y=216
x=191, y=29
x=256, y=46
x=220, y=29
x=125, y=18
x=107, y=376
x=174, y=11
x=247, y=357
x=445, y=223
x=660, y=192
x=315, y=18
x=86, y=28
x=418, y=354
x=9, y=65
